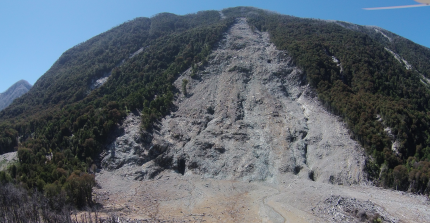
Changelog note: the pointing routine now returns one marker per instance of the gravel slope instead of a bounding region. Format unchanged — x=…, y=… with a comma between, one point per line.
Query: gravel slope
x=248, y=142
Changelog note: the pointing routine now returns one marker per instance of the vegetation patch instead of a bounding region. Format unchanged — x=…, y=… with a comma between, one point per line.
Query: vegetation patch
x=63, y=125
x=372, y=83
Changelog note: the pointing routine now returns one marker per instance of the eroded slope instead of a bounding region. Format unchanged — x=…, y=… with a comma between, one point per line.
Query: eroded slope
x=248, y=142
x=247, y=116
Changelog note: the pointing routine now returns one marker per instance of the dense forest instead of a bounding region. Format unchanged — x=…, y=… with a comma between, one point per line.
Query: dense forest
x=372, y=91
x=59, y=127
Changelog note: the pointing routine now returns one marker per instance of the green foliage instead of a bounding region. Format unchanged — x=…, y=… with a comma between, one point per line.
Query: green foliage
x=372, y=91
x=184, y=86
x=63, y=122
x=79, y=187
x=4, y=177
x=20, y=205
x=8, y=138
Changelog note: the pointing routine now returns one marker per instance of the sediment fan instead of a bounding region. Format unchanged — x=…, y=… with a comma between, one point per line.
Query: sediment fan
x=423, y=3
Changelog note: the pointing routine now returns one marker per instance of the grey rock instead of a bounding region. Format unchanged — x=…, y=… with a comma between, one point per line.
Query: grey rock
x=127, y=146
x=15, y=91
x=248, y=115
x=346, y=209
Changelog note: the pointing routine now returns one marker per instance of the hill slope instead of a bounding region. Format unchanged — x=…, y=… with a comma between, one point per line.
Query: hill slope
x=245, y=117
x=15, y=91
x=384, y=103
x=246, y=142
x=267, y=100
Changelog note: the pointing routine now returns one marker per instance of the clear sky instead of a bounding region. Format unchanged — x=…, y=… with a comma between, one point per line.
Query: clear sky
x=33, y=34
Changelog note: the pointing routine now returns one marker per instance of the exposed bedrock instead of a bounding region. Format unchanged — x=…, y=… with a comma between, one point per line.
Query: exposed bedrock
x=247, y=115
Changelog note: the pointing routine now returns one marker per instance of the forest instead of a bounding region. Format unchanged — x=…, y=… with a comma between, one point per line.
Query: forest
x=60, y=125
x=372, y=93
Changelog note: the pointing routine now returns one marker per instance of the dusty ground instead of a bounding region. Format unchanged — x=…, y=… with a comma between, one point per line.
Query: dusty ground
x=174, y=197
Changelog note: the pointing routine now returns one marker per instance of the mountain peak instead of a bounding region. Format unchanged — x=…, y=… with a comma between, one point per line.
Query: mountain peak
x=15, y=91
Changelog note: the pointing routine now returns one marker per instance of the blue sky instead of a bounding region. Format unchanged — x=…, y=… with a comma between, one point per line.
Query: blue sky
x=35, y=33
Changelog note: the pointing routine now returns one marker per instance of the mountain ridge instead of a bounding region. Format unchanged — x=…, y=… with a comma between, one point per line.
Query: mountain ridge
x=375, y=82
x=246, y=133
x=15, y=91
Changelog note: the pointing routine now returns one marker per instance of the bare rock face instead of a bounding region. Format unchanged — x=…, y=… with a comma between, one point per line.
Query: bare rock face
x=248, y=141
x=246, y=115
x=126, y=148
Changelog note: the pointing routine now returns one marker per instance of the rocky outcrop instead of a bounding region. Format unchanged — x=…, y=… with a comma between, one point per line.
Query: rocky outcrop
x=97, y=83
x=247, y=114
x=7, y=159
x=15, y=91
x=126, y=148
x=346, y=209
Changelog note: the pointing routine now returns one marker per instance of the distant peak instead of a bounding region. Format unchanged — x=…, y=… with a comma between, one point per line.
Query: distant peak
x=19, y=83
x=15, y=91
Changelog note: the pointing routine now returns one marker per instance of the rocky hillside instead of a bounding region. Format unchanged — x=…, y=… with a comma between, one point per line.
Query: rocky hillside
x=248, y=141
x=15, y=91
x=246, y=115
x=255, y=115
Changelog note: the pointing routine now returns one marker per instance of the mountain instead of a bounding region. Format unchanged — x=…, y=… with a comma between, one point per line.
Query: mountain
x=15, y=91
x=234, y=115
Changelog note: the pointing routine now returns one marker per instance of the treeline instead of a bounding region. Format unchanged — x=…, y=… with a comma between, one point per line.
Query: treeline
x=62, y=125
x=373, y=92
x=415, y=54
x=20, y=205
x=8, y=139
